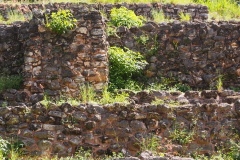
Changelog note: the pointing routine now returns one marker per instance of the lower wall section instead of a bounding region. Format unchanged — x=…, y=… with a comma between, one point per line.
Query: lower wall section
x=183, y=123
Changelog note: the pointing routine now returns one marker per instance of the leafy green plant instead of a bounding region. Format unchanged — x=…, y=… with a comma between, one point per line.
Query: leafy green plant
x=124, y=65
x=10, y=82
x=125, y=17
x=234, y=150
x=61, y=22
x=10, y=150
x=4, y=147
x=184, y=17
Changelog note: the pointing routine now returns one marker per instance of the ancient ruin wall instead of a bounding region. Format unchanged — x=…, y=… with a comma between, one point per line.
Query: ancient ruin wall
x=57, y=64
x=172, y=11
x=210, y=118
x=195, y=53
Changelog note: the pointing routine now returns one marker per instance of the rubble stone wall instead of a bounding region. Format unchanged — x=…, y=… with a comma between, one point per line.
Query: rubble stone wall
x=57, y=64
x=11, y=53
x=52, y=63
x=209, y=118
x=195, y=53
x=172, y=11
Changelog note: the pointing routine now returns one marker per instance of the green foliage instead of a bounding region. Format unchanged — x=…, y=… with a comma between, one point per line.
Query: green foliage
x=10, y=150
x=219, y=83
x=185, y=17
x=124, y=65
x=150, y=143
x=46, y=102
x=221, y=9
x=87, y=93
x=10, y=82
x=143, y=39
x=181, y=135
x=61, y=22
x=169, y=102
x=169, y=84
x=13, y=16
x=159, y=17
x=4, y=148
x=234, y=150
x=108, y=97
x=125, y=17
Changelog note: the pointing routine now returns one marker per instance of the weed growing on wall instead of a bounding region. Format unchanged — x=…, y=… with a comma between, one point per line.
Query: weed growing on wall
x=10, y=82
x=13, y=16
x=61, y=21
x=181, y=136
x=143, y=39
x=150, y=143
x=125, y=17
x=124, y=64
x=159, y=17
x=87, y=93
x=219, y=83
x=108, y=97
x=184, y=17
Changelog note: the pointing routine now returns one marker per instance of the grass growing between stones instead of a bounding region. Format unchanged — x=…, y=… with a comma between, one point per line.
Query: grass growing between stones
x=169, y=102
x=87, y=95
x=13, y=16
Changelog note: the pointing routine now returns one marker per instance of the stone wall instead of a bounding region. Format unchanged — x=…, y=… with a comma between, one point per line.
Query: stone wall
x=11, y=53
x=210, y=118
x=197, y=12
x=51, y=63
x=193, y=52
x=57, y=64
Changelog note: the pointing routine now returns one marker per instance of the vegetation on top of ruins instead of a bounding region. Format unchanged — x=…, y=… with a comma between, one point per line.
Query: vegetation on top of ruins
x=61, y=21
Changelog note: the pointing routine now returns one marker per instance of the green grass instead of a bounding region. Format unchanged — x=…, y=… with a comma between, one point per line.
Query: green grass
x=13, y=16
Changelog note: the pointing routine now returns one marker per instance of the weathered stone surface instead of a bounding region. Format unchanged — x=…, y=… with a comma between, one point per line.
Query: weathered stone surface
x=79, y=116
x=44, y=145
x=137, y=125
x=57, y=114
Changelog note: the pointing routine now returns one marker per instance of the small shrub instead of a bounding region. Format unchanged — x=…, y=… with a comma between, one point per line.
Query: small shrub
x=124, y=65
x=61, y=22
x=125, y=17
